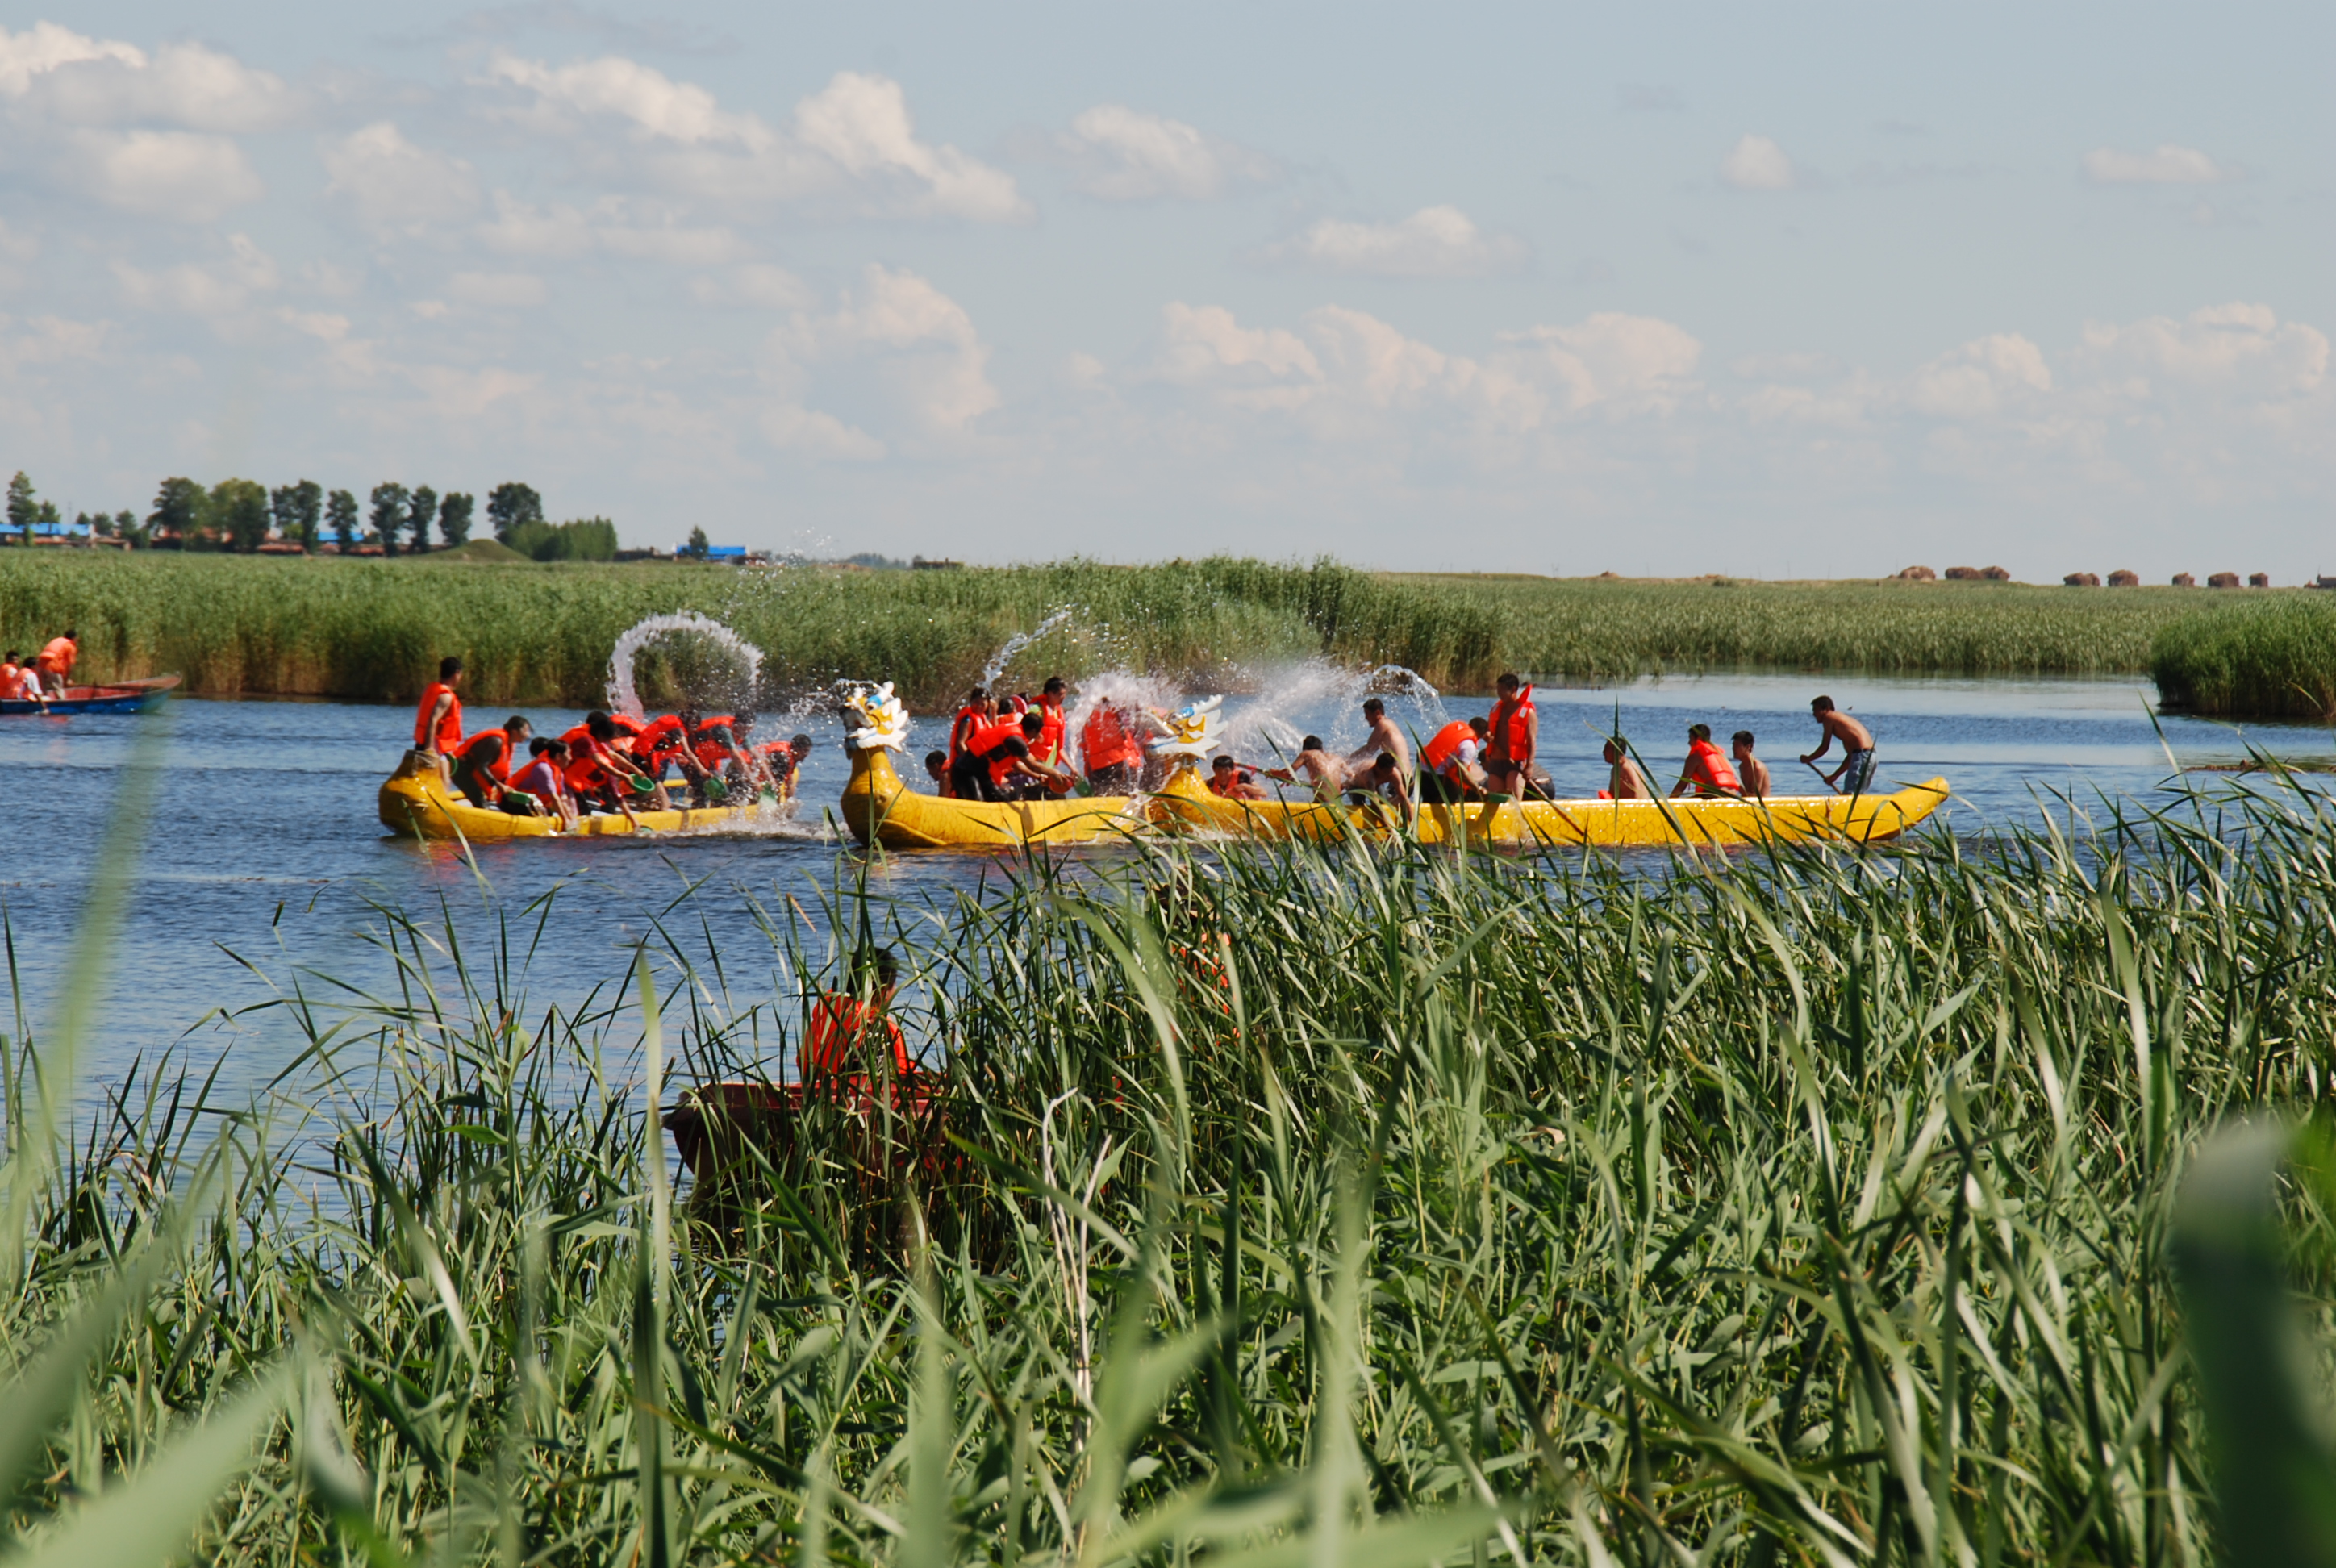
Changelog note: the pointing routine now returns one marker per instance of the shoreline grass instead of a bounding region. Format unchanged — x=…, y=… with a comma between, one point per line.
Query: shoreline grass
x=2253, y=659
x=373, y=630
x=1805, y=1206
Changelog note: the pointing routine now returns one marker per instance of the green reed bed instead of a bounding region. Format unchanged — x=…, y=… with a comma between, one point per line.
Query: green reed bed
x=375, y=629
x=1374, y=1208
x=2264, y=656
x=1589, y=630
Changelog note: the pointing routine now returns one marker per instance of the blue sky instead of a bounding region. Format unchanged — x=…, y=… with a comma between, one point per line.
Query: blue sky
x=1762, y=289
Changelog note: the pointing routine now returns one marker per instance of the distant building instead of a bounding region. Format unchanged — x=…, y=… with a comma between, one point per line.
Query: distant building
x=919, y=563
x=726, y=552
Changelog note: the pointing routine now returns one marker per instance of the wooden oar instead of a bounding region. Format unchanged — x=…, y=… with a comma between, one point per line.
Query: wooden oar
x=1821, y=774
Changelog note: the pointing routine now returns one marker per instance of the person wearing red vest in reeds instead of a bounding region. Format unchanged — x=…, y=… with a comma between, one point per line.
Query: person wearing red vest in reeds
x=1448, y=768
x=482, y=767
x=845, y=1046
x=438, y=722
x=1113, y=752
x=1513, y=733
x=1707, y=772
x=56, y=660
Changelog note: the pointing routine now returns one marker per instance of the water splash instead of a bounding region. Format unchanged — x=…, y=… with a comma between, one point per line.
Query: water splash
x=622, y=697
x=1268, y=726
x=1020, y=640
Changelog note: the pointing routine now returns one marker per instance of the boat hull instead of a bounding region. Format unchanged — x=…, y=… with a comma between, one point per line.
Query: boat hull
x=415, y=802
x=878, y=808
x=120, y=697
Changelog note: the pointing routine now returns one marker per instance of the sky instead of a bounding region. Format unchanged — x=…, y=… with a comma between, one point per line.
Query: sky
x=1764, y=289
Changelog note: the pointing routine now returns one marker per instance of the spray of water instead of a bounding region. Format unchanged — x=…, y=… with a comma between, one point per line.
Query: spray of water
x=624, y=699
x=1018, y=641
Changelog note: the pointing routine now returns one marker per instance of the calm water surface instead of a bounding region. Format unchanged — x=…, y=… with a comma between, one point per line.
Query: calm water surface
x=266, y=865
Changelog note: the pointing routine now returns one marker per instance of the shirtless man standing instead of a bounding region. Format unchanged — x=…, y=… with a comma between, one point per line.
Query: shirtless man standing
x=1856, y=770
x=1384, y=737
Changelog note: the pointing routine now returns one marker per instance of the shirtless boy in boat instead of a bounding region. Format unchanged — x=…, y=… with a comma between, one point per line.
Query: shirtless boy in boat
x=1625, y=781
x=1856, y=769
x=1324, y=771
x=1750, y=770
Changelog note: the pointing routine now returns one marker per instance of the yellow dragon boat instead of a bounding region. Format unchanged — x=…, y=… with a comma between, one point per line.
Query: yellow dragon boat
x=415, y=802
x=878, y=807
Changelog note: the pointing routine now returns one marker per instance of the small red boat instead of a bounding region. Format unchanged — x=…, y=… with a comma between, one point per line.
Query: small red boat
x=121, y=696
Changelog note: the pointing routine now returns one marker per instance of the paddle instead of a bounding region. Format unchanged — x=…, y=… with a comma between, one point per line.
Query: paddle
x=1821, y=774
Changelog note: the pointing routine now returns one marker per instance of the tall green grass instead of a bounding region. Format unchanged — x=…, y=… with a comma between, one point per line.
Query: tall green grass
x=1388, y=1208
x=2258, y=658
x=375, y=629
x=1584, y=628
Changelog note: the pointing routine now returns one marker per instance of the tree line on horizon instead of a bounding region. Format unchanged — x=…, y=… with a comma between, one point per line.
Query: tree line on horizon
x=240, y=515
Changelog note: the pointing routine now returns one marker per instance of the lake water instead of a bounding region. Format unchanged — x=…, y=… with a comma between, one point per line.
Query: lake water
x=267, y=867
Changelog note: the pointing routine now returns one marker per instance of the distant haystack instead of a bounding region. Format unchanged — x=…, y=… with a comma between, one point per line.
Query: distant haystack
x=2124, y=579
x=1995, y=574
x=2259, y=580
x=2183, y=579
x=2224, y=579
x=2081, y=580
x=1918, y=574
x=1962, y=574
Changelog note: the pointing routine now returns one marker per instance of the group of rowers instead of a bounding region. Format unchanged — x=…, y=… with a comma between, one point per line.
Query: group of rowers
x=1005, y=748
x=609, y=763
x=48, y=675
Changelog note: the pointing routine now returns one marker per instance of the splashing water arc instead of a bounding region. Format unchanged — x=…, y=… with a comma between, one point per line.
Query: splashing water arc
x=1018, y=642
x=622, y=696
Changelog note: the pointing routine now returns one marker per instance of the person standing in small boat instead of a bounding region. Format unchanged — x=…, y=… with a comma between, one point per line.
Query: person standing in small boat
x=438, y=722
x=1448, y=769
x=998, y=759
x=1625, y=780
x=1856, y=769
x=1706, y=772
x=852, y=1032
x=1515, y=735
x=1749, y=768
x=1052, y=738
x=978, y=712
x=57, y=659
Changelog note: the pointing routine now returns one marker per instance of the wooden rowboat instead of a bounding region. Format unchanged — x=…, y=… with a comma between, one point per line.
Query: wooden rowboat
x=120, y=697
x=415, y=802
x=878, y=807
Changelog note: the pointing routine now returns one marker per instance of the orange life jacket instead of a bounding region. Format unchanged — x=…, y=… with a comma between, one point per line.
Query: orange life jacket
x=1106, y=740
x=1508, y=726
x=1445, y=745
x=970, y=718
x=585, y=774
x=449, y=737
x=543, y=779
x=986, y=744
x=1049, y=747
x=500, y=769
x=12, y=682
x=58, y=657
x=656, y=744
x=1709, y=769
x=838, y=1045
x=713, y=752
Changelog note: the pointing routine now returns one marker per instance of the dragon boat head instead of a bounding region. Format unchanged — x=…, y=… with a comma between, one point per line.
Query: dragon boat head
x=1194, y=731
x=882, y=719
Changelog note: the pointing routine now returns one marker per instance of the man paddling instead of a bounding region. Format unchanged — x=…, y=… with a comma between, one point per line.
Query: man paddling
x=1856, y=769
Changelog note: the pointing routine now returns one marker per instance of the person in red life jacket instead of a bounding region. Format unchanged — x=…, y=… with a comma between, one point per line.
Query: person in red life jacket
x=1512, y=733
x=725, y=767
x=1706, y=772
x=937, y=770
x=1313, y=766
x=602, y=774
x=977, y=713
x=783, y=764
x=1055, y=733
x=544, y=779
x=1228, y=780
x=1448, y=766
x=1112, y=749
x=1749, y=768
x=21, y=682
x=853, y=1041
x=998, y=759
x=438, y=722
x=482, y=767
x=662, y=743
x=56, y=660
x=1625, y=779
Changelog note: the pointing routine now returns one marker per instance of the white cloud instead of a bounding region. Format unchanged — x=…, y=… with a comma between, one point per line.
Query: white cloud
x=497, y=290
x=176, y=174
x=895, y=346
x=1980, y=378
x=45, y=46
x=2166, y=165
x=756, y=283
x=2242, y=351
x=1434, y=242
x=183, y=84
x=852, y=146
x=1757, y=163
x=396, y=185
x=1121, y=155
x=224, y=289
x=520, y=230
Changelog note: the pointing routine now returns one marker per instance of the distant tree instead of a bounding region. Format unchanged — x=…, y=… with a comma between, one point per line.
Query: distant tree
x=341, y=511
x=536, y=540
x=99, y=524
x=48, y=513
x=697, y=545
x=421, y=513
x=342, y=514
x=238, y=513
x=125, y=526
x=178, y=514
x=24, y=507
x=283, y=511
x=305, y=515
x=455, y=518
x=511, y=505
x=389, y=503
